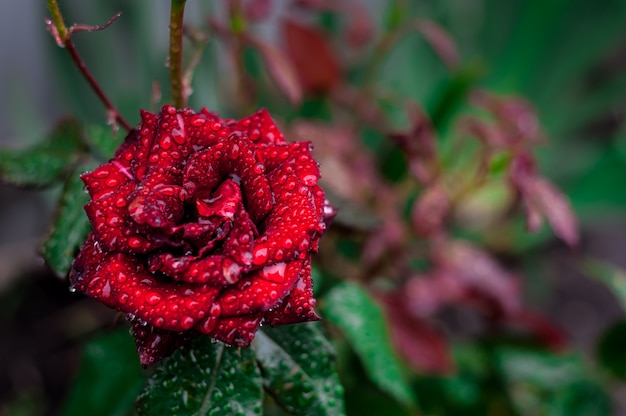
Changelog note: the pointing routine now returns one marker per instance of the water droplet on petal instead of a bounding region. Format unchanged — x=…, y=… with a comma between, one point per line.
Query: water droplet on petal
x=153, y=298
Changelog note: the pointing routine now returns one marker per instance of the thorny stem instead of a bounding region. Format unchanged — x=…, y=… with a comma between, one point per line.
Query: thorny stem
x=63, y=37
x=179, y=93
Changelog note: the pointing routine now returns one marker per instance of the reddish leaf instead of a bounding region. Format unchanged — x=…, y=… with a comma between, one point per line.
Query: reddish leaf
x=280, y=69
x=257, y=10
x=489, y=134
x=414, y=339
x=418, y=143
x=541, y=328
x=513, y=114
x=430, y=210
x=541, y=197
x=312, y=56
x=481, y=277
x=440, y=41
x=360, y=29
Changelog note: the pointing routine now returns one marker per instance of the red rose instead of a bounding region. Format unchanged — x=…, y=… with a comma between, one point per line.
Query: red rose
x=203, y=226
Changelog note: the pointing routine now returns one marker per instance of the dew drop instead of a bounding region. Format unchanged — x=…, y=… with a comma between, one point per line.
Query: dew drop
x=260, y=255
x=153, y=298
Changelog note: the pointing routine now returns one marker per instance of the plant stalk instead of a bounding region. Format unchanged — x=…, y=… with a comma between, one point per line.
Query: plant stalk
x=64, y=37
x=177, y=85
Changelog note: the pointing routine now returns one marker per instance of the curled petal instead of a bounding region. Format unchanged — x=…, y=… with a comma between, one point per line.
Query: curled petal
x=154, y=344
x=121, y=281
x=234, y=157
x=261, y=291
x=106, y=179
x=113, y=226
x=299, y=305
x=236, y=331
x=290, y=227
x=260, y=128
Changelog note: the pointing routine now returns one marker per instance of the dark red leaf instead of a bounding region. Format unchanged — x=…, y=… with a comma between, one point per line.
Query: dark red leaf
x=430, y=210
x=312, y=56
x=280, y=68
x=416, y=341
x=441, y=42
x=543, y=198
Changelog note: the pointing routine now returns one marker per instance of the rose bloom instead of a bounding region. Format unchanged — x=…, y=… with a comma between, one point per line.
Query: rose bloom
x=203, y=226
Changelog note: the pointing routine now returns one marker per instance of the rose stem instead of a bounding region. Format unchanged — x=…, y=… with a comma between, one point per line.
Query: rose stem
x=66, y=40
x=176, y=53
x=238, y=29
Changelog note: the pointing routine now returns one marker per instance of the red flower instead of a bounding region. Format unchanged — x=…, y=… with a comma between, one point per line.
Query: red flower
x=203, y=226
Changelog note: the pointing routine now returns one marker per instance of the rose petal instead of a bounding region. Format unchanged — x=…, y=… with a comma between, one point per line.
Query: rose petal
x=154, y=344
x=292, y=225
x=261, y=291
x=115, y=229
x=299, y=305
x=105, y=179
x=205, y=129
x=216, y=270
x=233, y=156
x=260, y=128
x=236, y=331
x=122, y=282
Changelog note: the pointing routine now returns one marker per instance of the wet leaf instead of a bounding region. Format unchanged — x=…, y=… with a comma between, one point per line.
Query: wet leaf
x=297, y=363
x=70, y=226
x=109, y=380
x=103, y=140
x=351, y=309
x=44, y=163
x=204, y=378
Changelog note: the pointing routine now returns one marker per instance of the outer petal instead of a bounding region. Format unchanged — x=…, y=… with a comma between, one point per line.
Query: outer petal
x=154, y=344
x=115, y=229
x=205, y=129
x=261, y=291
x=236, y=331
x=293, y=223
x=259, y=127
x=106, y=179
x=121, y=281
x=299, y=305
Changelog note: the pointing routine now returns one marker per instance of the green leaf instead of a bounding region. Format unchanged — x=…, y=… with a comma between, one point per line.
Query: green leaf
x=297, y=364
x=44, y=163
x=351, y=309
x=204, y=378
x=610, y=350
x=540, y=383
x=611, y=276
x=70, y=226
x=109, y=380
x=103, y=140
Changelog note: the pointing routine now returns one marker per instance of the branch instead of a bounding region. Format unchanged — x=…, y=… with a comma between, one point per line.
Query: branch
x=63, y=36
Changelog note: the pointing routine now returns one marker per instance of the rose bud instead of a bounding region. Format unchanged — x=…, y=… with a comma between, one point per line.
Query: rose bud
x=203, y=226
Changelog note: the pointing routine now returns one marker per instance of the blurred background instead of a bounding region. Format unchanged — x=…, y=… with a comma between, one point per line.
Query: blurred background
x=382, y=74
